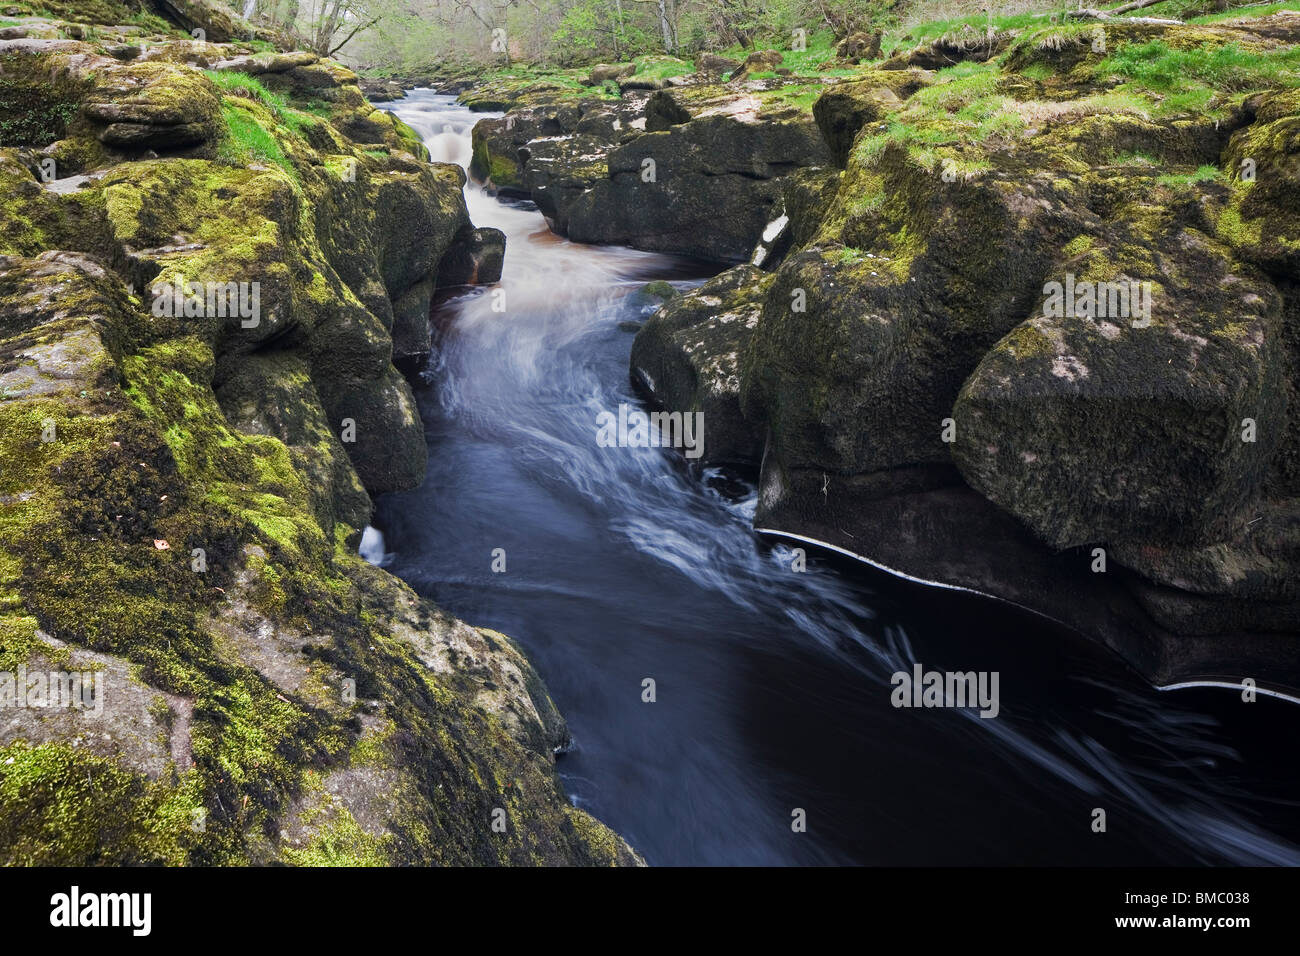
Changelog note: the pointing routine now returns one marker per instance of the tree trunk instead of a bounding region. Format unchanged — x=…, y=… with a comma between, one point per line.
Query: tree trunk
x=663, y=22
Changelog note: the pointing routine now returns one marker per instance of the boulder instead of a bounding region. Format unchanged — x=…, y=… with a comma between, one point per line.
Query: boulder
x=218, y=23
x=916, y=382
x=1141, y=420
x=706, y=186
x=760, y=61
x=845, y=108
x=559, y=170
x=714, y=66
x=476, y=257
x=857, y=47
x=687, y=359
x=603, y=73
x=1262, y=221
x=496, y=142
x=652, y=74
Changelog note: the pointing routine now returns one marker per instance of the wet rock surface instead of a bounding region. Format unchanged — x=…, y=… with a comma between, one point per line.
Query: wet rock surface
x=205, y=286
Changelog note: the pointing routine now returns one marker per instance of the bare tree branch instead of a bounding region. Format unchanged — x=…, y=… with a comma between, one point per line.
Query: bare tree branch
x=355, y=30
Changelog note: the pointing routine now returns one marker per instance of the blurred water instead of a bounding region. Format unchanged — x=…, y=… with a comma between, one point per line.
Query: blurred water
x=772, y=686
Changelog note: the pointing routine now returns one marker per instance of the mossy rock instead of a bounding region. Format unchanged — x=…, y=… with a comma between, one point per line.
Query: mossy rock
x=687, y=358
x=659, y=289
x=153, y=106
x=38, y=101
x=1262, y=221
x=178, y=503
x=869, y=332
x=1142, y=423
x=218, y=23
x=715, y=183
x=845, y=108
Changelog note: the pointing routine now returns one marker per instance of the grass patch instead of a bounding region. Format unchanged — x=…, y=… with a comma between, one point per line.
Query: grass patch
x=1157, y=66
x=296, y=118
x=1193, y=11
x=249, y=142
x=242, y=84
x=918, y=34
x=800, y=96
x=1203, y=174
x=659, y=67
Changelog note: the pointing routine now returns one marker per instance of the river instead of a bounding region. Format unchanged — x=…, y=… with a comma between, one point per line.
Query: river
x=772, y=694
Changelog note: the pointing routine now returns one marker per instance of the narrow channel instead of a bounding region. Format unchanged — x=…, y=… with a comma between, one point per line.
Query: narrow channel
x=772, y=689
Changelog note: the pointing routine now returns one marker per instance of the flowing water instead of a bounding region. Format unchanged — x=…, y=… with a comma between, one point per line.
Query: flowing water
x=772, y=687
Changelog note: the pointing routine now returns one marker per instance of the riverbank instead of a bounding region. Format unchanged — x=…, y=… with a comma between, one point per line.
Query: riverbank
x=904, y=388
x=213, y=254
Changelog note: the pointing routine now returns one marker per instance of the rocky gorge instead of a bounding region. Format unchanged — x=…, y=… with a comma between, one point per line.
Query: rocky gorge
x=183, y=493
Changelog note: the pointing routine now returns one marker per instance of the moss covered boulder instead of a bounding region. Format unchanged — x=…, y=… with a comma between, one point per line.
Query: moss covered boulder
x=706, y=186
x=687, y=358
x=155, y=106
x=1050, y=307
x=845, y=108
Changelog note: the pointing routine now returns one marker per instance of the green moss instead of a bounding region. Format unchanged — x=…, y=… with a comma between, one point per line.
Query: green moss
x=938, y=124
x=340, y=841
x=409, y=138
x=605, y=847
x=36, y=102
x=17, y=630
x=1078, y=246
x=503, y=171
x=375, y=749
x=89, y=11
x=249, y=140
x=62, y=807
x=1236, y=231
x=799, y=96
x=1025, y=341
x=97, y=527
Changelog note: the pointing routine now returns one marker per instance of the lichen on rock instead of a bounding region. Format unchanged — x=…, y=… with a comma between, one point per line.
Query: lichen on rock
x=182, y=492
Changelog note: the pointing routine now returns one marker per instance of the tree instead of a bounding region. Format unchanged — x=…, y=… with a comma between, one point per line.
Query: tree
x=328, y=25
x=670, y=41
